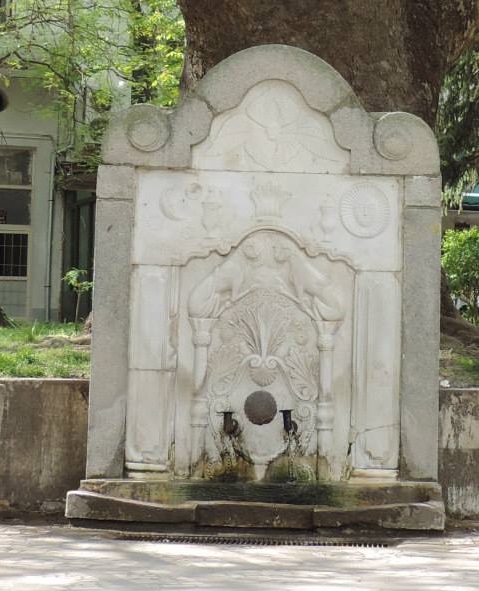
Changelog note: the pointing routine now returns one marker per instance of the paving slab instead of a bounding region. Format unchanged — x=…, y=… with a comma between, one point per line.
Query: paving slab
x=53, y=558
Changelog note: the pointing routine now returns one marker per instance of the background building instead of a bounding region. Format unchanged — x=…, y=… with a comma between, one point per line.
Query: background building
x=31, y=214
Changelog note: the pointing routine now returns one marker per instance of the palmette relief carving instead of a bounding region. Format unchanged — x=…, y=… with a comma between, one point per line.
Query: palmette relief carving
x=265, y=306
x=365, y=210
x=273, y=129
x=263, y=343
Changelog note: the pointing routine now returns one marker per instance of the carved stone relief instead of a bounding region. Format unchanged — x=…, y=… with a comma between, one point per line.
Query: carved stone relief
x=266, y=262
x=213, y=211
x=392, y=136
x=365, y=210
x=375, y=416
x=269, y=200
x=266, y=259
x=263, y=348
x=273, y=129
x=263, y=322
x=147, y=129
x=196, y=204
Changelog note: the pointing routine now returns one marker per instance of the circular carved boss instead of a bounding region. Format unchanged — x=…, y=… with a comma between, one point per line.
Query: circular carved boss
x=365, y=210
x=260, y=407
x=147, y=128
x=392, y=136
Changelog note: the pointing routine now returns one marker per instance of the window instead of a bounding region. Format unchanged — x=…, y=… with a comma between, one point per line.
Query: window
x=13, y=254
x=15, y=167
x=14, y=207
x=15, y=201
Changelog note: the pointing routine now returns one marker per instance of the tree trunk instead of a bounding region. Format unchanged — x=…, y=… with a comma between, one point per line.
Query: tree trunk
x=5, y=320
x=447, y=306
x=394, y=54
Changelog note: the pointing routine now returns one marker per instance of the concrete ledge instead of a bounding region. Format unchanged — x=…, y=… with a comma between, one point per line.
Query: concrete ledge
x=42, y=442
x=459, y=450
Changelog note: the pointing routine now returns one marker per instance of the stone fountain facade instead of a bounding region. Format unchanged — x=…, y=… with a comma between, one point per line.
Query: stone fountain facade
x=266, y=306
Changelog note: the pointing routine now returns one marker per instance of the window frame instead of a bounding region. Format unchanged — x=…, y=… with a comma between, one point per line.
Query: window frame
x=17, y=229
x=20, y=228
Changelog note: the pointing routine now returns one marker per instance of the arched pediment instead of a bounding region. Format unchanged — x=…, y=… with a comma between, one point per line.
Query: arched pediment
x=391, y=143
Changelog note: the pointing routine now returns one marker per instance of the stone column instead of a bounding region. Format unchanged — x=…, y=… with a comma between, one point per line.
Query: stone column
x=202, y=328
x=325, y=418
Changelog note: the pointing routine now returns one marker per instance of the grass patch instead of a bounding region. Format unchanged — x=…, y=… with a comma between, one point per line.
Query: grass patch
x=24, y=351
x=459, y=364
x=470, y=365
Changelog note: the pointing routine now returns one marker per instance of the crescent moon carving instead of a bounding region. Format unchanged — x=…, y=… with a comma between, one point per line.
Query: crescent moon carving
x=170, y=207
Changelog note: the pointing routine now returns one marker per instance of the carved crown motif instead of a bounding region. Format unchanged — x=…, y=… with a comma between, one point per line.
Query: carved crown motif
x=269, y=200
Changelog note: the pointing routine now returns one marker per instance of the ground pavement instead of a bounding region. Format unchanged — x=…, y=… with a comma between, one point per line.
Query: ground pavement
x=55, y=558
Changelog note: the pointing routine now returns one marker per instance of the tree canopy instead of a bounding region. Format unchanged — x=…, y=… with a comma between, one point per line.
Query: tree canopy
x=94, y=55
x=457, y=126
x=459, y=259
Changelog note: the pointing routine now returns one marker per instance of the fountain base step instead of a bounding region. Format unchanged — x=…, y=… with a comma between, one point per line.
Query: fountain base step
x=190, y=506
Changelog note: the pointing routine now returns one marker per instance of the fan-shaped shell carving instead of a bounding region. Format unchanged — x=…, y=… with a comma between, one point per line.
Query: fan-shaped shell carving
x=263, y=376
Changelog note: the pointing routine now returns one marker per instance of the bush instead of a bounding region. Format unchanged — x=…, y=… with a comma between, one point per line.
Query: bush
x=460, y=260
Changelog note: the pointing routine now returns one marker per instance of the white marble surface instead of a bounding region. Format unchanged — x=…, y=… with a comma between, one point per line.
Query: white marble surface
x=270, y=195
x=266, y=268
x=272, y=129
x=201, y=211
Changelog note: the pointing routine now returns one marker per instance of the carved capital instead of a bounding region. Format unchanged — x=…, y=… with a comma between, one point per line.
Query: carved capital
x=326, y=342
x=202, y=331
x=326, y=332
x=201, y=338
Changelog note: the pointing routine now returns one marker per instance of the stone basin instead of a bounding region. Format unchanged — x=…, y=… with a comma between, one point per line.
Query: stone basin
x=304, y=506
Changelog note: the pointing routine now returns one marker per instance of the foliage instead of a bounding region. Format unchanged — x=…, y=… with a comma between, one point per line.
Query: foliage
x=22, y=353
x=460, y=260
x=73, y=278
x=457, y=127
x=157, y=30
x=93, y=56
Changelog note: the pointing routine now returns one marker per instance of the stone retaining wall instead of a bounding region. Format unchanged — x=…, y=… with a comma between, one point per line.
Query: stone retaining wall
x=459, y=450
x=43, y=429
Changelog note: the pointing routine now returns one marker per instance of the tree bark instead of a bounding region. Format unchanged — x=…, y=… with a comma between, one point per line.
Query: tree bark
x=5, y=320
x=394, y=53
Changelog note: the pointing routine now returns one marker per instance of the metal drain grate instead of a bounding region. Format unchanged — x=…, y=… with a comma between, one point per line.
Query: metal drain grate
x=241, y=540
